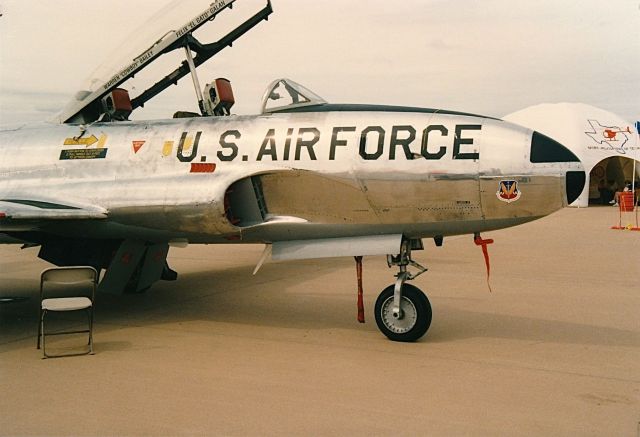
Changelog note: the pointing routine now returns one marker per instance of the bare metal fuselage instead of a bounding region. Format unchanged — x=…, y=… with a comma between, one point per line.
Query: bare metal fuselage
x=283, y=176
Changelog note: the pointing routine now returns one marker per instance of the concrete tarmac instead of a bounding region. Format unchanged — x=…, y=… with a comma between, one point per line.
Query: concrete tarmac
x=553, y=350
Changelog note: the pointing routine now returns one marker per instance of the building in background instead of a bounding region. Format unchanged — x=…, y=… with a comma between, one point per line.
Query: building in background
x=607, y=145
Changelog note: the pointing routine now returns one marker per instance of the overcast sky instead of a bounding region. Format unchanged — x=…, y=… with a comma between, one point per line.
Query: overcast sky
x=490, y=57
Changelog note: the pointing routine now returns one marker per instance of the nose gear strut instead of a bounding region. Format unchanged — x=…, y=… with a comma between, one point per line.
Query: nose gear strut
x=402, y=260
x=403, y=312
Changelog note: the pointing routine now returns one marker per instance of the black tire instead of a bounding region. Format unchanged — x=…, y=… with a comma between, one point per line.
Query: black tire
x=416, y=310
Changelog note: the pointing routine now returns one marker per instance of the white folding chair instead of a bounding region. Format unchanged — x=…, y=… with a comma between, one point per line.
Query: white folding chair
x=65, y=280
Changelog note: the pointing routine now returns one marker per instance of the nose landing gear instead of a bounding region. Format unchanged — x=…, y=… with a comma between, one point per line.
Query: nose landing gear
x=402, y=311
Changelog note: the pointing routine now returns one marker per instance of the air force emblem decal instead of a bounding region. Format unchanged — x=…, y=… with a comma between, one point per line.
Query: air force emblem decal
x=508, y=191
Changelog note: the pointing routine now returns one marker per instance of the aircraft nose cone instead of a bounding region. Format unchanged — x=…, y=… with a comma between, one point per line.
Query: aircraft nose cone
x=548, y=150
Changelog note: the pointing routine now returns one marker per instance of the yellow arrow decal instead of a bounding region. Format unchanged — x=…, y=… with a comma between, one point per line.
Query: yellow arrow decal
x=75, y=141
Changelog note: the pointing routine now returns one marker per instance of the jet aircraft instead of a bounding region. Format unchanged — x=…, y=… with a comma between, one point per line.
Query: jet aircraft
x=305, y=177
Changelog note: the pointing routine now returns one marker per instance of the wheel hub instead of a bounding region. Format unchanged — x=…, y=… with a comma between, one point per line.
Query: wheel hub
x=402, y=322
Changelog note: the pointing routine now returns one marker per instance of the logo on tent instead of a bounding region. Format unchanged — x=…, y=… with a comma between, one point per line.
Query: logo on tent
x=614, y=137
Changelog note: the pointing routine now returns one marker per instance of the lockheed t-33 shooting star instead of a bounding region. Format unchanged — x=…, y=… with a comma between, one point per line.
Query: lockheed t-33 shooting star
x=305, y=177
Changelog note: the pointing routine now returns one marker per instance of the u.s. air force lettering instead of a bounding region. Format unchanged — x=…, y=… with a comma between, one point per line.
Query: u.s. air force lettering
x=432, y=142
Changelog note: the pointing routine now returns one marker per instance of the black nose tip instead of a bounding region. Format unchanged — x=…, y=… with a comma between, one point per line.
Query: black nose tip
x=548, y=150
x=575, y=181
x=545, y=149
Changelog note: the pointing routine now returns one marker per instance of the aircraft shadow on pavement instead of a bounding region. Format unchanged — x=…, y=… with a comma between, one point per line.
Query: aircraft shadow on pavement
x=299, y=295
x=454, y=324
x=279, y=296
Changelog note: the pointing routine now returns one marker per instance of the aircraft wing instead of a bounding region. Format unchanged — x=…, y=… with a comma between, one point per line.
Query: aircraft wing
x=29, y=213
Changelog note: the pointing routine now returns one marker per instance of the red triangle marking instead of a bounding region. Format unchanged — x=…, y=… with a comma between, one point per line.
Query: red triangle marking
x=137, y=145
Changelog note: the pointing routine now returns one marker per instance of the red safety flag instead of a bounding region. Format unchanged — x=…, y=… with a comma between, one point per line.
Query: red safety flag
x=480, y=242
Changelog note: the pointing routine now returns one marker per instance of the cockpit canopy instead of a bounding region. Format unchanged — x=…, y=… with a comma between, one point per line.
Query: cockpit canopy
x=284, y=94
x=151, y=41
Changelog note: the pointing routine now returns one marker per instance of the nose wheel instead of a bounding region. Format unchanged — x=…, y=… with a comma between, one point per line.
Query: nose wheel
x=402, y=311
x=413, y=318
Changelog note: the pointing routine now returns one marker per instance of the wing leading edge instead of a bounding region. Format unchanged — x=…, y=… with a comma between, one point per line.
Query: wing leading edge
x=27, y=214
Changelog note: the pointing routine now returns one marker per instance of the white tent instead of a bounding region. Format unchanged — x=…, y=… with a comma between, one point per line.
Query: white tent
x=607, y=145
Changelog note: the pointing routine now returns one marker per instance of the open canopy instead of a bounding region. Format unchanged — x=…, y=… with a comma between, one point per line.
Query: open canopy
x=170, y=29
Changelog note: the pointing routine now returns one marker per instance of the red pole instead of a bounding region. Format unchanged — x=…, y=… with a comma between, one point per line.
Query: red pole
x=360, y=300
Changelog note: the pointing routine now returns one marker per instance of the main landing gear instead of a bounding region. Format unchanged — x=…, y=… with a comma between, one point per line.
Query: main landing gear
x=402, y=311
